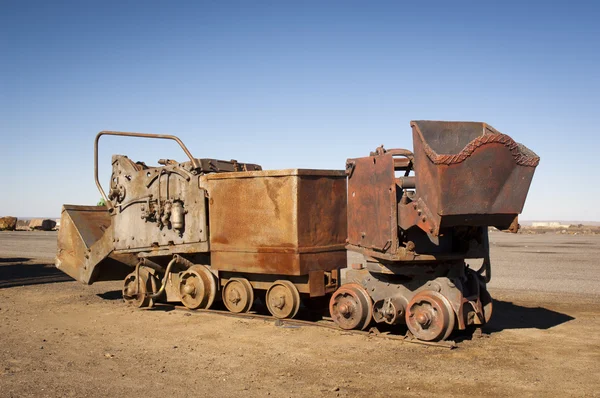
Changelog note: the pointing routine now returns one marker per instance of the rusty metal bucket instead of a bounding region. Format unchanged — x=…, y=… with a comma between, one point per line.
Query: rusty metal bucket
x=468, y=173
x=85, y=245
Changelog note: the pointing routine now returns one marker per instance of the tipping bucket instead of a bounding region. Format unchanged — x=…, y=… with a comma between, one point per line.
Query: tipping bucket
x=468, y=173
x=85, y=245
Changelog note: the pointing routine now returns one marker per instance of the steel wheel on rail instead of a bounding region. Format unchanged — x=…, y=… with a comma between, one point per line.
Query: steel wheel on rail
x=135, y=292
x=429, y=316
x=351, y=307
x=283, y=299
x=238, y=295
x=197, y=287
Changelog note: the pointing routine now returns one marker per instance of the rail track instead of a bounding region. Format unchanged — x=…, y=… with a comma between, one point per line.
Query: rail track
x=323, y=323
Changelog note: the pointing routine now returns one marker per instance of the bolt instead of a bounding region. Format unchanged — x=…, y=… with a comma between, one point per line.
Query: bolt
x=424, y=319
x=189, y=288
x=278, y=302
x=344, y=310
x=235, y=296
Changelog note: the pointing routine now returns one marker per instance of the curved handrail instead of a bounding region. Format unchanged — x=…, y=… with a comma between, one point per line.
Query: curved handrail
x=194, y=161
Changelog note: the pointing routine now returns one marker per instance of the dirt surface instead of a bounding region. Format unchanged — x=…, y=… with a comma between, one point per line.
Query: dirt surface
x=61, y=338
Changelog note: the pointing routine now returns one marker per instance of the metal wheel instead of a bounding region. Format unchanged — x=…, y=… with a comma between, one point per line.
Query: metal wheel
x=351, y=307
x=283, y=299
x=429, y=316
x=135, y=293
x=197, y=287
x=238, y=295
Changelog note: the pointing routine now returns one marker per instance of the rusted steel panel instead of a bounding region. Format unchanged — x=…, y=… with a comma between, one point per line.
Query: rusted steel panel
x=255, y=262
x=326, y=261
x=96, y=220
x=468, y=173
x=323, y=224
x=80, y=228
x=140, y=193
x=275, y=221
x=85, y=245
x=253, y=214
x=372, y=203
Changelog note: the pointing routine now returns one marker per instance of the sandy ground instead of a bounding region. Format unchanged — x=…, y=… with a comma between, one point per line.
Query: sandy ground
x=61, y=338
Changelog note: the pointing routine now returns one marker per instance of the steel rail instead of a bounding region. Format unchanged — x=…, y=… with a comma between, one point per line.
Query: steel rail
x=327, y=324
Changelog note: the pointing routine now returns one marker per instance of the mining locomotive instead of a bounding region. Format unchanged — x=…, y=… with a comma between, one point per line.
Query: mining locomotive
x=208, y=230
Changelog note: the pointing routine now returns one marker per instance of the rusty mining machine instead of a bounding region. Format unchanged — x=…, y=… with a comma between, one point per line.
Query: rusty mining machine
x=208, y=230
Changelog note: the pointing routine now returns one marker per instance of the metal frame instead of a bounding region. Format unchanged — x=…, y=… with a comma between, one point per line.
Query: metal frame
x=194, y=161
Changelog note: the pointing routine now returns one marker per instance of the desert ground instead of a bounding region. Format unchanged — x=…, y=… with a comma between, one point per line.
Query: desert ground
x=59, y=337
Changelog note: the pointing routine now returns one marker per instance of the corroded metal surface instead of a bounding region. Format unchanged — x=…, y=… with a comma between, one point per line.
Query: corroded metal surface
x=286, y=222
x=85, y=241
x=156, y=208
x=351, y=307
x=283, y=299
x=197, y=287
x=415, y=231
x=204, y=225
x=479, y=178
x=238, y=295
x=150, y=212
x=372, y=203
x=429, y=316
x=470, y=174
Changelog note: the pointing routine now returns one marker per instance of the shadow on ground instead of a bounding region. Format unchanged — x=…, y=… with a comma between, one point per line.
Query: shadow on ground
x=111, y=295
x=507, y=315
x=14, y=260
x=16, y=271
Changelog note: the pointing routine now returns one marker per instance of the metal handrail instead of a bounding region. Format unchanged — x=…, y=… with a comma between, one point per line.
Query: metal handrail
x=194, y=161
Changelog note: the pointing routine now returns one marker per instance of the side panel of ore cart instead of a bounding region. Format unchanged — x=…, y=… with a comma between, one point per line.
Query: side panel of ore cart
x=284, y=222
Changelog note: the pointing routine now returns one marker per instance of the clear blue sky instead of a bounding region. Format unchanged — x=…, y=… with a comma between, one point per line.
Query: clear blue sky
x=292, y=84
